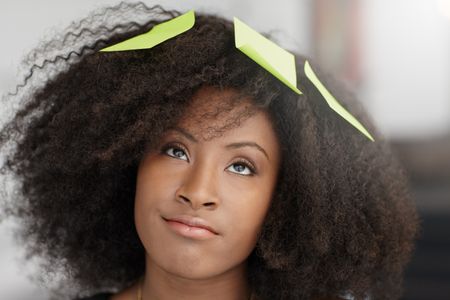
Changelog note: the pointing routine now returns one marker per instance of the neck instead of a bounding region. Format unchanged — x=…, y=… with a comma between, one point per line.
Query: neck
x=160, y=284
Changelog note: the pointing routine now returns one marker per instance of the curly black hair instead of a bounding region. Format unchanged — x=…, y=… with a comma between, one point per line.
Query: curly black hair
x=341, y=220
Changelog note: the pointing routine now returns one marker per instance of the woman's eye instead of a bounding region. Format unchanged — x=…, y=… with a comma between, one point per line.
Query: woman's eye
x=176, y=152
x=242, y=169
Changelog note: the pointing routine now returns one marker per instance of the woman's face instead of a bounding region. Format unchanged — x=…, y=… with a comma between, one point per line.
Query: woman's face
x=227, y=180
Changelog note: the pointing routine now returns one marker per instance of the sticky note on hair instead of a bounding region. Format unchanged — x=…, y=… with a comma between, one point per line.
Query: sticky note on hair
x=266, y=53
x=158, y=34
x=333, y=103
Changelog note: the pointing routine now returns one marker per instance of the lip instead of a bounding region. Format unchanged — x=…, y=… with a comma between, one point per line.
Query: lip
x=192, y=227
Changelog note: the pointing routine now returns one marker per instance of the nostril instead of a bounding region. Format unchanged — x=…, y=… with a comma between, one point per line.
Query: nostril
x=185, y=199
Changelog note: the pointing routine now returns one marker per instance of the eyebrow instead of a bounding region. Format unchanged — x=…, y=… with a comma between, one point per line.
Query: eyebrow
x=229, y=146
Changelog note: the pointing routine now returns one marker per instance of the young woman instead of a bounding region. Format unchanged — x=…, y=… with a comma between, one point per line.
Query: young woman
x=187, y=171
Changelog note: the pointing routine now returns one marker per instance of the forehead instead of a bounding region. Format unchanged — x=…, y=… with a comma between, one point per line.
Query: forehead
x=212, y=111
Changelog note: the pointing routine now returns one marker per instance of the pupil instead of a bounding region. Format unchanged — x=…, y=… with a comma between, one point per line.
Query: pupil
x=178, y=153
x=239, y=168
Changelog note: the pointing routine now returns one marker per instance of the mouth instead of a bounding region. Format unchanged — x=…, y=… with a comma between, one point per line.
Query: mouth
x=186, y=230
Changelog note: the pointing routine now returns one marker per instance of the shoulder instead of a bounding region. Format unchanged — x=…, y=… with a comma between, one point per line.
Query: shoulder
x=101, y=296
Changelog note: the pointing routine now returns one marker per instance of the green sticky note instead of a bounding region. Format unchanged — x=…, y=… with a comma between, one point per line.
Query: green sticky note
x=333, y=103
x=158, y=34
x=266, y=53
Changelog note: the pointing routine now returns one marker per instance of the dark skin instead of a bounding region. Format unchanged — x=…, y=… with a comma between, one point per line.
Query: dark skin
x=231, y=187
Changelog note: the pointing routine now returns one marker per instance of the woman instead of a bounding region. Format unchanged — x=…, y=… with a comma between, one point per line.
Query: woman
x=118, y=149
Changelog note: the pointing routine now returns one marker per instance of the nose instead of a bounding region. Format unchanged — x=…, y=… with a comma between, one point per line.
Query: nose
x=199, y=187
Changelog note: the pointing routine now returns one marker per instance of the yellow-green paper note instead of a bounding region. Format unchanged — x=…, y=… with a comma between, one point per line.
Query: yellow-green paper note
x=333, y=103
x=266, y=53
x=158, y=34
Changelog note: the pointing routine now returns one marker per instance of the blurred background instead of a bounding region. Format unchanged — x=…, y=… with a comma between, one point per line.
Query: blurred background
x=395, y=54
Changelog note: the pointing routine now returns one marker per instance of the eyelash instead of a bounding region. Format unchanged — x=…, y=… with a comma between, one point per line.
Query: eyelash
x=240, y=161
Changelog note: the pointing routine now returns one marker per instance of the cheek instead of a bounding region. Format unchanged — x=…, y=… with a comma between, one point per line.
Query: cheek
x=152, y=185
x=152, y=192
x=249, y=210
